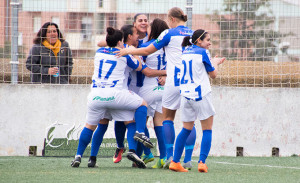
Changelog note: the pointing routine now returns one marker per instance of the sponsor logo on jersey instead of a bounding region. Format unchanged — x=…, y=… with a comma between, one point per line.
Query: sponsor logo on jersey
x=104, y=99
x=185, y=32
x=157, y=41
x=158, y=88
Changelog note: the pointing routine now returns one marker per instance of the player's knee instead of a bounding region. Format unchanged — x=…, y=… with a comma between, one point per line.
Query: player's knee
x=144, y=103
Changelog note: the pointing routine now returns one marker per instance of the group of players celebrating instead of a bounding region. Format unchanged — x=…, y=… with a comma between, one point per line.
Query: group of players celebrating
x=137, y=75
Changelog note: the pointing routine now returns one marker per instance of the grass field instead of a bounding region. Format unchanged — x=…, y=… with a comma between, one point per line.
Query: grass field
x=221, y=169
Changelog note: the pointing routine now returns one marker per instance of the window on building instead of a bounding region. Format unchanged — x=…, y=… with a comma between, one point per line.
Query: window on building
x=56, y=20
x=189, y=2
x=86, y=28
x=100, y=23
x=129, y=20
x=36, y=23
x=100, y=4
x=112, y=21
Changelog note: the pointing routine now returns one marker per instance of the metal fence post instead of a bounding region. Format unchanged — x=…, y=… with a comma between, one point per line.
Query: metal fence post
x=14, y=42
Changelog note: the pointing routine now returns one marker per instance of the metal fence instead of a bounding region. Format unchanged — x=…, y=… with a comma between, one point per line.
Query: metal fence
x=259, y=38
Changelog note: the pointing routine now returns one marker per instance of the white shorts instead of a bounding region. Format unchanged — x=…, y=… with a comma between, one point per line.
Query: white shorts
x=191, y=109
x=111, y=103
x=153, y=96
x=171, y=97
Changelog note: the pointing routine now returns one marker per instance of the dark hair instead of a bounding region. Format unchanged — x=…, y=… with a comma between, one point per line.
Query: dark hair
x=138, y=14
x=177, y=13
x=127, y=30
x=198, y=34
x=41, y=35
x=157, y=27
x=113, y=36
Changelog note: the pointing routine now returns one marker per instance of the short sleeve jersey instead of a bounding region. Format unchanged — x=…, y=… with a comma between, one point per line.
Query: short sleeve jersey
x=172, y=39
x=109, y=71
x=194, y=81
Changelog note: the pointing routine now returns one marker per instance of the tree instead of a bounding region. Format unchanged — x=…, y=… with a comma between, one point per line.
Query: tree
x=247, y=30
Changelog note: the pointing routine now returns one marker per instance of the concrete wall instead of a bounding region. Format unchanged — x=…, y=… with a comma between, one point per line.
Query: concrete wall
x=254, y=118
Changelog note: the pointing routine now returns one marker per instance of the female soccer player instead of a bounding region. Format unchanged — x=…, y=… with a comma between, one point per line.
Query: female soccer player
x=196, y=102
x=108, y=99
x=171, y=40
x=151, y=91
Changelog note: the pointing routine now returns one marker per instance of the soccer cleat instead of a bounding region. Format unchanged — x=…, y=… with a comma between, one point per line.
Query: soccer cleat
x=188, y=165
x=160, y=163
x=142, y=138
x=76, y=162
x=92, y=162
x=134, y=165
x=167, y=162
x=177, y=167
x=202, y=167
x=133, y=157
x=148, y=158
x=118, y=155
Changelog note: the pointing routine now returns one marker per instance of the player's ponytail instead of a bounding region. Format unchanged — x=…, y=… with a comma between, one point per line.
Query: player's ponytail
x=199, y=34
x=113, y=36
x=177, y=13
x=186, y=41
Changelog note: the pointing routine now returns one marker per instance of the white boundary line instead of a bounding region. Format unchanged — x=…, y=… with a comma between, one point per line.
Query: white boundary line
x=269, y=166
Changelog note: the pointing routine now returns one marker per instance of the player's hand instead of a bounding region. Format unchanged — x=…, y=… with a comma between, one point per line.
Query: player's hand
x=124, y=51
x=218, y=60
x=162, y=80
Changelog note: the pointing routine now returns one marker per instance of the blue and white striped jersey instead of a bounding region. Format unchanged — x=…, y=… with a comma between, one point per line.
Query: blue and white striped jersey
x=156, y=61
x=194, y=80
x=172, y=39
x=109, y=71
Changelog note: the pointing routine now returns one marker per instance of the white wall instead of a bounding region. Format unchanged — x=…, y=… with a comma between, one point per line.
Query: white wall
x=254, y=118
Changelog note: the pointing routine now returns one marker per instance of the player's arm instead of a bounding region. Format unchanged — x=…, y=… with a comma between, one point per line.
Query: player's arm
x=102, y=43
x=153, y=72
x=137, y=51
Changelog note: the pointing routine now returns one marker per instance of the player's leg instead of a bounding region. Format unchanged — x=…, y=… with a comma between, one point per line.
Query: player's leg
x=97, y=140
x=158, y=128
x=205, y=143
x=131, y=155
x=179, y=146
x=189, y=147
x=84, y=140
x=92, y=118
x=170, y=103
x=120, y=130
x=148, y=156
x=205, y=112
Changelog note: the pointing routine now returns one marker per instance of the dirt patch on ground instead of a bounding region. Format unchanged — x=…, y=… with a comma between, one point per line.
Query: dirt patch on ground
x=231, y=73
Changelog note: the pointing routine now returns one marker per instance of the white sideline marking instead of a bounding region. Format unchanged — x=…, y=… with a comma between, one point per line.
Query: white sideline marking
x=270, y=166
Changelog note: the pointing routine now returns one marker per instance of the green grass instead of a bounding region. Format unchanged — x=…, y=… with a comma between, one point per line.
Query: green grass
x=221, y=169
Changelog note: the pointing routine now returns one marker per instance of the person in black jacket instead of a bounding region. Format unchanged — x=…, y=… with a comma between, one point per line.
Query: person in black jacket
x=50, y=58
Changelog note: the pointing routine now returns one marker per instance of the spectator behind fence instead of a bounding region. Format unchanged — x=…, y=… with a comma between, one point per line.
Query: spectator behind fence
x=50, y=58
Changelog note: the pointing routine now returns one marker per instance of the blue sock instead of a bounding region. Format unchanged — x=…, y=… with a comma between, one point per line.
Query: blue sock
x=130, y=133
x=139, y=149
x=84, y=140
x=161, y=141
x=179, y=145
x=140, y=117
x=147, y=150
x=205, y=145
x=97, y=138
x=189, y=146
x=169, y=135
x=120, y=130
